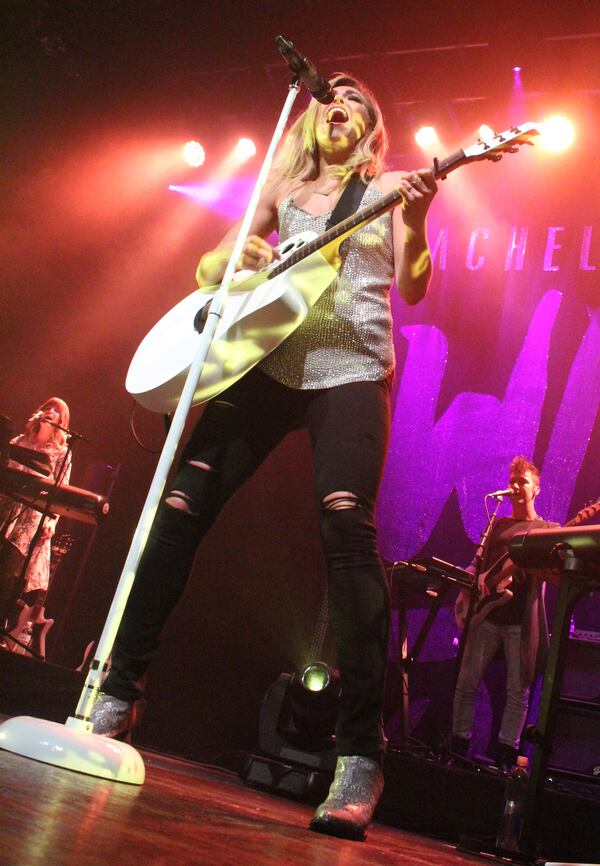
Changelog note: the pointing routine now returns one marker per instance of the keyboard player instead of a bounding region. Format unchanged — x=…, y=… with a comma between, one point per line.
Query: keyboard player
x=25, y=533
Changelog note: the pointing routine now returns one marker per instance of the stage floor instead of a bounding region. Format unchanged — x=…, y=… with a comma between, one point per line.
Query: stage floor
x=184, y=815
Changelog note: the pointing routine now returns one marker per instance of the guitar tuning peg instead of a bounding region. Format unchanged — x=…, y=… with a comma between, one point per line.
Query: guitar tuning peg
x=496, y=157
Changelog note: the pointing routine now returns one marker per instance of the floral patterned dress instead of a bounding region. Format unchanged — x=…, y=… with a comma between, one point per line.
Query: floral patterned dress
x=18, y=523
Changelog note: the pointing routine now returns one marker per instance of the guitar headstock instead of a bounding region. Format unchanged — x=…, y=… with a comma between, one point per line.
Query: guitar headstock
x=492, y=148
x=503, y=142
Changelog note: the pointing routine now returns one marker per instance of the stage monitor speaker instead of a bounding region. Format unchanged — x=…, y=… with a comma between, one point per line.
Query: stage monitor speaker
x=581, y=678
x=576, y=746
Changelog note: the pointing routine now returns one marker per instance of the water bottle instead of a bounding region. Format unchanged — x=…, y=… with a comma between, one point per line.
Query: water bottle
x=509, y=830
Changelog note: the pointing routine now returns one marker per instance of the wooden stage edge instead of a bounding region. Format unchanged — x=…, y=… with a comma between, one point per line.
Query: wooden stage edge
x=184, y=815
x=187, y=814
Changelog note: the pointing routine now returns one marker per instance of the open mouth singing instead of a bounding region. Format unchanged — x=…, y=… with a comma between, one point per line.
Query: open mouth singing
x=337, y=114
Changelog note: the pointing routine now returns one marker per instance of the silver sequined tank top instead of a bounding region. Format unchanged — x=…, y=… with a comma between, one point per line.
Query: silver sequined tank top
x=347, y=335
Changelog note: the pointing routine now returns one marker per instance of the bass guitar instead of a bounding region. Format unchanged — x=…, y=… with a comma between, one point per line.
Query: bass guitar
x=264, y=307
x=498, y=578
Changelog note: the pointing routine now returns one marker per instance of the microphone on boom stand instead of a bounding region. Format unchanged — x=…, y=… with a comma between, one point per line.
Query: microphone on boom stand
x=319, y=88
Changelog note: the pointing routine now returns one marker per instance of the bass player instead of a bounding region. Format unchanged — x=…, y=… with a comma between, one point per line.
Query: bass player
x=509, y=613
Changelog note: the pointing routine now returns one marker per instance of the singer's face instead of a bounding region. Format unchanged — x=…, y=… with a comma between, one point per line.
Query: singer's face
x=525, y=487
x=341, y=124
x=51, y=412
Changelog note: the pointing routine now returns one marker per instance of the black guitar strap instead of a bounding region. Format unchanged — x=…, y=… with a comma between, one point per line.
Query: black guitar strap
x=349, y=201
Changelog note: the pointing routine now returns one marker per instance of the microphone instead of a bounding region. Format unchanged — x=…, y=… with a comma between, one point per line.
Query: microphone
x=498, y=494
x=320, y=89
x=37, y=416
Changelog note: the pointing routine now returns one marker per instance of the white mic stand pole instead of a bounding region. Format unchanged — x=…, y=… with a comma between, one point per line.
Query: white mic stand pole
x=73, y=745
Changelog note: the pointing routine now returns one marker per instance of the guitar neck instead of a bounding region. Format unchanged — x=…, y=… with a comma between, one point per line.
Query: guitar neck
x=443, y=167
x=440, y=168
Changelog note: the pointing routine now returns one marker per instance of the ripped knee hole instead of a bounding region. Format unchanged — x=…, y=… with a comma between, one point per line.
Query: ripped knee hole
x=200, y=464
x=180, y=501
x=340, y=501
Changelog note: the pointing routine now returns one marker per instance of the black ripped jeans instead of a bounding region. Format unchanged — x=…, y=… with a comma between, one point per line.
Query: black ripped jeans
x=349, y=428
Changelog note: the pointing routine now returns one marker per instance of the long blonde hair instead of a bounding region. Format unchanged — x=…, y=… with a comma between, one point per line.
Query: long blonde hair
x=298, y=158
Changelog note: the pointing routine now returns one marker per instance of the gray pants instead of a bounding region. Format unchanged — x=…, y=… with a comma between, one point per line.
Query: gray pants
x=483, y=642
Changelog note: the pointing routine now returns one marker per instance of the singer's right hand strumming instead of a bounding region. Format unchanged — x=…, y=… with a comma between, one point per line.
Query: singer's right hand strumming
x=256, y=252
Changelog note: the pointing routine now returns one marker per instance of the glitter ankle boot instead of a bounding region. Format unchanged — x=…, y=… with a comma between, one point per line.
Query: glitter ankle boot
x=352, y=798
x=112, y=717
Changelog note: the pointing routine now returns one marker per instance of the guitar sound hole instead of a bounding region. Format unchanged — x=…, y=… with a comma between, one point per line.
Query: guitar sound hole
x=201, y=317
x=291, y=246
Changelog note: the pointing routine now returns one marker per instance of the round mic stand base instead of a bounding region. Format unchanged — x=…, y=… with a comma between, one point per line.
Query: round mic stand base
x=72, y=747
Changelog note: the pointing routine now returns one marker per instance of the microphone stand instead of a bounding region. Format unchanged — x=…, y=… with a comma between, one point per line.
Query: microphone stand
x=73, y=745
x=478, y=560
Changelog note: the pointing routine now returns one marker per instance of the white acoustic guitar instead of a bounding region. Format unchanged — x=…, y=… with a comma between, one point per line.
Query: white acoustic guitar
x=264, y=307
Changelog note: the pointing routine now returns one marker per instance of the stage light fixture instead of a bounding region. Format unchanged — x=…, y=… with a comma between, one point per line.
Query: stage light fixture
x=558, y=133
x=314, y=699
x=297, y=754
x=193, y=153
x=316, y=677
x=486, y=132
x=426, y=137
